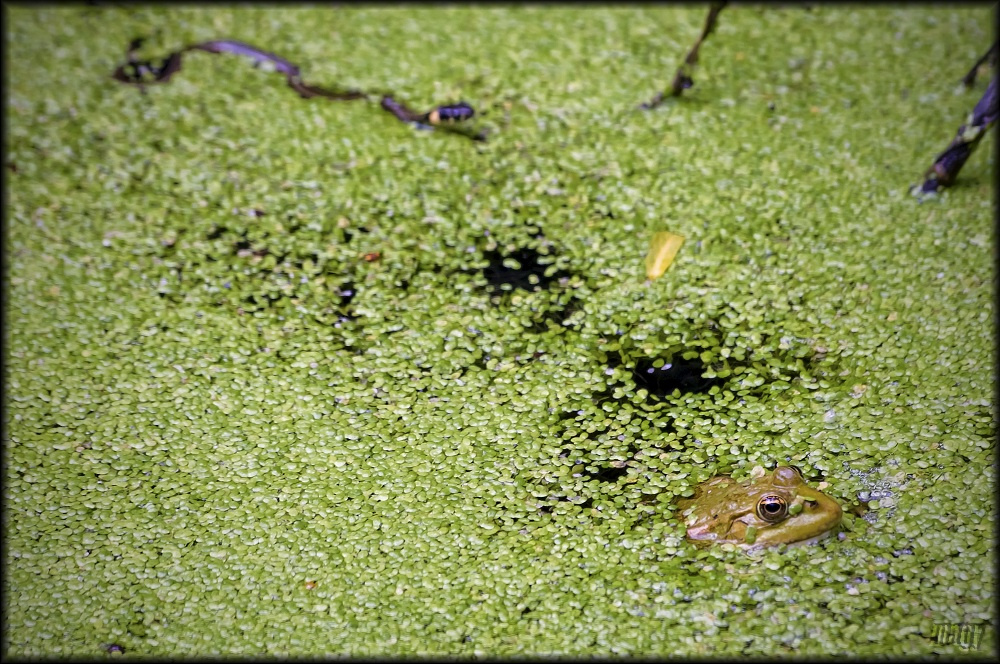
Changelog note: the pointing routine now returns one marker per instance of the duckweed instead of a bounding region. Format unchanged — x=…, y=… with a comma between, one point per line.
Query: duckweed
x=231, y=430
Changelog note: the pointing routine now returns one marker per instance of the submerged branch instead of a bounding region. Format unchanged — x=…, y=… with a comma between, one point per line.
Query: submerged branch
x=947, y=165
x=682, y=78
x=145, y=72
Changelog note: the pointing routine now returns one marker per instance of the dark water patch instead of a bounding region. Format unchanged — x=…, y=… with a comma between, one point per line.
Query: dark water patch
x=170, y=296
x=570, y=415
x=582, y=504
x=580, y=428
x=601, y=396
x=558, y=314
x=262, y=300
x=609, y=473
x=520, y=269
x=347, y=292
x=169, y=243
x=241, y=246
x=245, y=248
x=571, y=453
x=676, y=374
x=351, y=233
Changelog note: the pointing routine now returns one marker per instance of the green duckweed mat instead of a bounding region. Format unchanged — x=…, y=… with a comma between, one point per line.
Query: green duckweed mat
x=230, y=428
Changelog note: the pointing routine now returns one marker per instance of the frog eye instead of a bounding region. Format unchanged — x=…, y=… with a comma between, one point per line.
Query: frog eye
x=772, y=508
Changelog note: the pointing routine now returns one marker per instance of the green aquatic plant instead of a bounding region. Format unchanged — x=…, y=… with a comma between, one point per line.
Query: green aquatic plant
x=228, y=431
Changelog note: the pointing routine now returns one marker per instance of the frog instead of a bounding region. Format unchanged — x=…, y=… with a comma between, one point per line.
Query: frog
x=766, y=510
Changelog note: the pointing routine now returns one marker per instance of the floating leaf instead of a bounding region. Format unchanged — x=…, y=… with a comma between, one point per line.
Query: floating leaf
x=662, y=250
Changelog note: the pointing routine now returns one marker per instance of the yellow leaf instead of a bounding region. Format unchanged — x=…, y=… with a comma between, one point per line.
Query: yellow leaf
x=662, y=250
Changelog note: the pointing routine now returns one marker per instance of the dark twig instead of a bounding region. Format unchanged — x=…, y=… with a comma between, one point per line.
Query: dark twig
x=682, y=79
x=970, y=79
x=144, y=72
x=945, y=168
x=444, y=117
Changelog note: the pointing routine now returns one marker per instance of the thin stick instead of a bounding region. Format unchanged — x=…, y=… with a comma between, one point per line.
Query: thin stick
x=969, y=79
x=946, y=166
x=144, y=72
x=682, y=79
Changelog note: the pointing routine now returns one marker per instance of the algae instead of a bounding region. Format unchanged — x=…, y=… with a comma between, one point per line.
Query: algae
x=230, y=430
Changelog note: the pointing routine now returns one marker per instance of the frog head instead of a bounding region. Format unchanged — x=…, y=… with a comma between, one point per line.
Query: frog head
x=775, y=508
